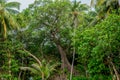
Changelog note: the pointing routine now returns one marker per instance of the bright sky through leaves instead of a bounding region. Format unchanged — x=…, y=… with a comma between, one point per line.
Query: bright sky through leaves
x=25, y=3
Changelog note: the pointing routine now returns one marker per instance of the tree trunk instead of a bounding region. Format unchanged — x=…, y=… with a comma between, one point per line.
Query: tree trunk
x=115, y=70
x=64, y=60
x=9, y=64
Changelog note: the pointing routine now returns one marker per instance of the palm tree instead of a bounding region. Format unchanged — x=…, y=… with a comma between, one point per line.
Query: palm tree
x=104, y=7
x=42, y=68
x=78, y=11
x=7, y=21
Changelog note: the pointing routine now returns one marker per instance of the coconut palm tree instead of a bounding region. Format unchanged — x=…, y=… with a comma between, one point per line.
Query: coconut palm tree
x=78, y=12
x=7, y=21
x=104, y=7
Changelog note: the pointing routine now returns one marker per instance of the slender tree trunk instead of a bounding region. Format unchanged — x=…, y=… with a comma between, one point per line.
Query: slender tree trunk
x=4, y=29
x=19, y=76
x=64, y=60
x=9, y=63
x=115, y=70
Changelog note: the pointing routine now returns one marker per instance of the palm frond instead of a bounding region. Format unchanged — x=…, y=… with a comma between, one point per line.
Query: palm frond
x=75, y=5
x=53, y=66
x=41, y=68
x=13, y=11
x=83, y=7
x=38, y=61
x=34, y=71
x=13, y=5
x=36, y=66
x=25, y=68
x=12, y=22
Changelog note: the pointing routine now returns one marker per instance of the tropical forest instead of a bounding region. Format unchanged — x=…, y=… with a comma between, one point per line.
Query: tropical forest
x=60, y=40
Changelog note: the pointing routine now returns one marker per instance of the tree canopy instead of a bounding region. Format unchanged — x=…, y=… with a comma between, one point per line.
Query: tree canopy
x=60, y=40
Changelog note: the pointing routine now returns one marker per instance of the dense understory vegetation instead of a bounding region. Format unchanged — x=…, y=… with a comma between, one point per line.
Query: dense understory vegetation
x=60, y=40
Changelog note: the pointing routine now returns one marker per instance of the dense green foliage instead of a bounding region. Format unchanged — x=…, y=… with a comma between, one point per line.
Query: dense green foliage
x=99, y=45
x=60, y=40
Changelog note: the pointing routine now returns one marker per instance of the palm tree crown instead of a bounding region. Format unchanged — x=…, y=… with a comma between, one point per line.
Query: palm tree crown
x=7, y=21
x=104, y=7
